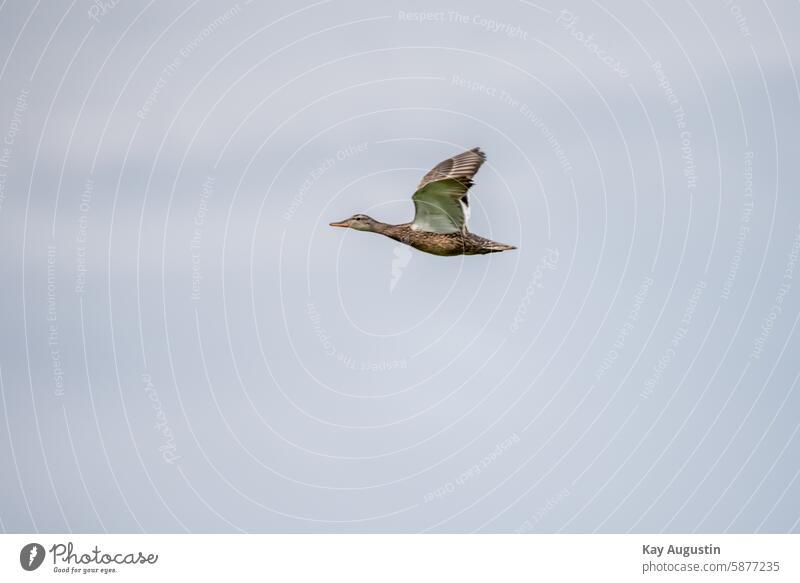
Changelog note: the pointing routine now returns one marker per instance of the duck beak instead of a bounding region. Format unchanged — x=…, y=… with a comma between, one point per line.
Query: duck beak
x=339, y=224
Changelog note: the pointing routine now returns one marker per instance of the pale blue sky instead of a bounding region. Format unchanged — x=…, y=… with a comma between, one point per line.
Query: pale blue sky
x=221, y=360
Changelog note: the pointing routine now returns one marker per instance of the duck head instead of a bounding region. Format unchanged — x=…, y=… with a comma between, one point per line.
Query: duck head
x=359, y=222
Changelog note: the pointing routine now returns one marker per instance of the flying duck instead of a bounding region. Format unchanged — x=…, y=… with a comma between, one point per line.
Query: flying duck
x=441, y=211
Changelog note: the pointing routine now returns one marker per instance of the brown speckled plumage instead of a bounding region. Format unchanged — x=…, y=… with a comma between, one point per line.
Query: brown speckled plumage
x=446, y=244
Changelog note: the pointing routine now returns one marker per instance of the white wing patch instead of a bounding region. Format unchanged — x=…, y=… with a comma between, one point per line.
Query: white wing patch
x=465, y=209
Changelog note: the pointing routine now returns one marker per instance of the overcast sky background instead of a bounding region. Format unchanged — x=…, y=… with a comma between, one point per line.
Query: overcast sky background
x=187, y=346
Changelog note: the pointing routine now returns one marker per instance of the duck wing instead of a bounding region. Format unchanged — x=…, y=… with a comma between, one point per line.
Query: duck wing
x=440, y=202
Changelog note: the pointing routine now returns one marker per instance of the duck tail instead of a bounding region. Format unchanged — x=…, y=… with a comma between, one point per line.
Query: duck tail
x=495, y=247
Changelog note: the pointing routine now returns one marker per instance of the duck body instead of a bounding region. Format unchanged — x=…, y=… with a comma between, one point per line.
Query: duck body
x=441, y=212
x=444, y=244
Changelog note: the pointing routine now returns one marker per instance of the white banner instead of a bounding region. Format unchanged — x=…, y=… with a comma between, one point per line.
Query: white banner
x=416, y=558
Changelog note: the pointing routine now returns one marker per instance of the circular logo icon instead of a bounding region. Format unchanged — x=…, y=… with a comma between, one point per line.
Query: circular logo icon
x=31, y=556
